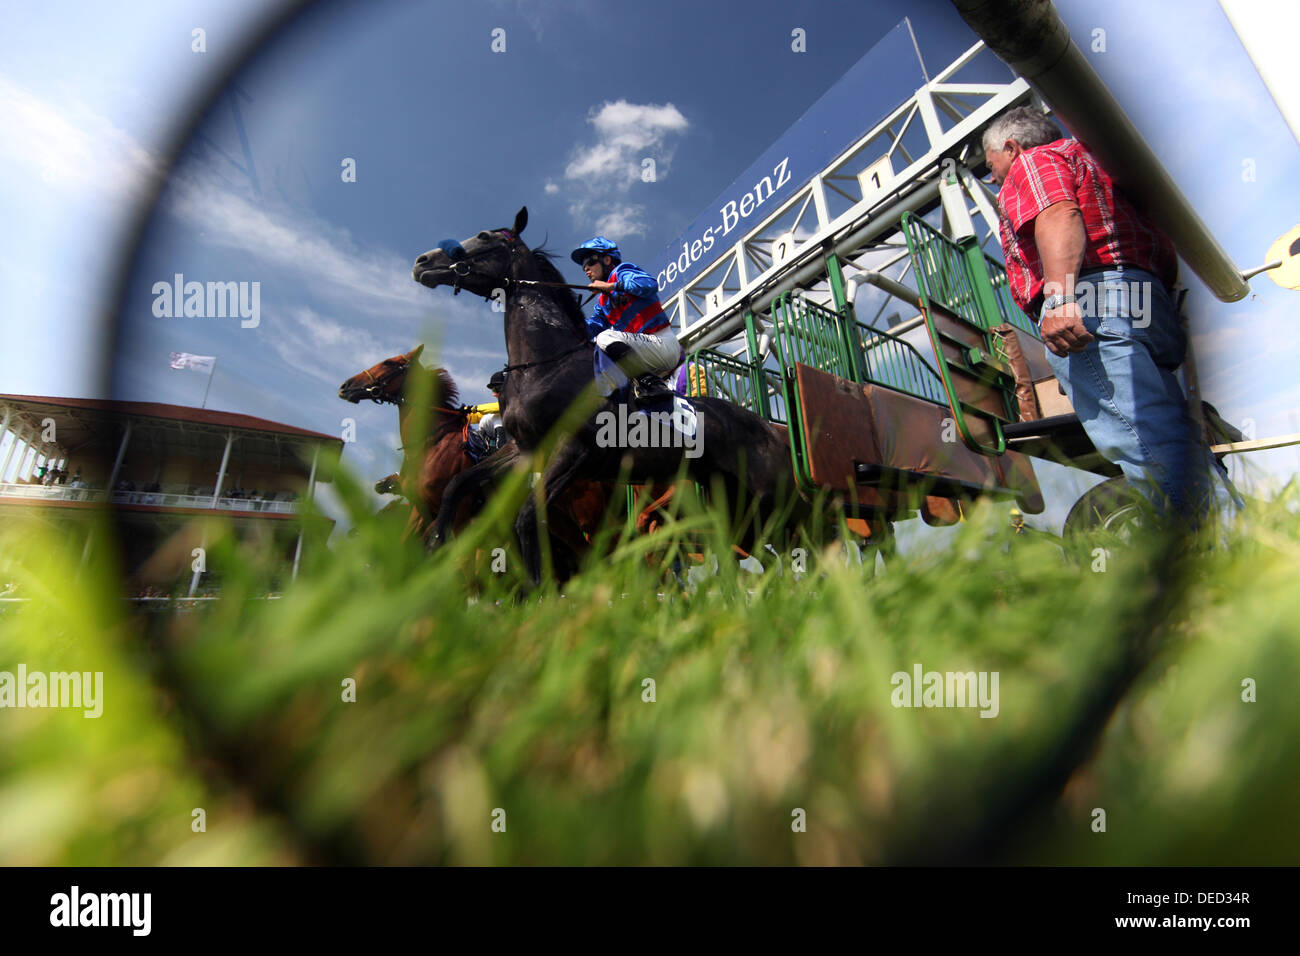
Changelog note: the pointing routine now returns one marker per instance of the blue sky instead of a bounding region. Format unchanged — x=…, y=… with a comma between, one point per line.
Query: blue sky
x=450, y=137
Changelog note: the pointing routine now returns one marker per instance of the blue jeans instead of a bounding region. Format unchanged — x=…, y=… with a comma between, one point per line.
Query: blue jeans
x=1123, y=388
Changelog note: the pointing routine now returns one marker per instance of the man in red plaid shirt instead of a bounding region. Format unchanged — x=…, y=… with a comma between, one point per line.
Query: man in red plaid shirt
x=1098, y=276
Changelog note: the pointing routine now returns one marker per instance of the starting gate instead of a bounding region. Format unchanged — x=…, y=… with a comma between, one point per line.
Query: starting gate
x=917, y=410
x=894, y=422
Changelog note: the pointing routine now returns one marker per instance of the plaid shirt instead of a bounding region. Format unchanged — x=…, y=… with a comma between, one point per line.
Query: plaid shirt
x=1117, y=234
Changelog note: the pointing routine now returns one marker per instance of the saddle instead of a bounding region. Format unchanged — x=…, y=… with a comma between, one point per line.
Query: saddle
x=475, y=444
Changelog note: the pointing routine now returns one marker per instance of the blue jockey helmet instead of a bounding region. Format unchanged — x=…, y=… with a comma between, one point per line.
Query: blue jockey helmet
x=599, y=246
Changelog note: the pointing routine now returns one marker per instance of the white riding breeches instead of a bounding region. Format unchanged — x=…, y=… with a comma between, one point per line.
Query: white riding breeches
x=659, y=353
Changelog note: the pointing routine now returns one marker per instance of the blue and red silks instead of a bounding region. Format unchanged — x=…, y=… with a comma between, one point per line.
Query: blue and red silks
x=633, y=306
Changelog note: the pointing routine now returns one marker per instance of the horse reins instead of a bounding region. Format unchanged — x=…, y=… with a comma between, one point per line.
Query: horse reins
x=554, y=358
x=459, y=257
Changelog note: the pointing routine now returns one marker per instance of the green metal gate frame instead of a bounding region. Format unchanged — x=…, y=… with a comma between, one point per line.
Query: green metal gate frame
x=813, y=335
x=956, y=276
x=959, y=277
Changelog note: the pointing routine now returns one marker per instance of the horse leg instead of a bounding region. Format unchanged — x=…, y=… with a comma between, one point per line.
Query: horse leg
x=653, y=515
x=471, y=481
x=568, y=463
x=882, y=542
x=414, y=524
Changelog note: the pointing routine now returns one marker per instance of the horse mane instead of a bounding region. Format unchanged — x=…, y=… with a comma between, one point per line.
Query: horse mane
x=446, y=390
x=566, y=299
x=449, y=414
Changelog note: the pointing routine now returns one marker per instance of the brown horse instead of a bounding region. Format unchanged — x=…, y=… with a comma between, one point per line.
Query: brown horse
x=431, y=459
x=429, y=463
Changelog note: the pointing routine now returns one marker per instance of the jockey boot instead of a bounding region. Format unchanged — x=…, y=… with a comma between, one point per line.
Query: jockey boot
x=618, y=353
x=651, y=390
x=621, y=354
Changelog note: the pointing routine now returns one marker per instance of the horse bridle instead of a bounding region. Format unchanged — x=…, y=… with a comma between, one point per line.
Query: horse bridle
x=459, y=257
x=378, y=382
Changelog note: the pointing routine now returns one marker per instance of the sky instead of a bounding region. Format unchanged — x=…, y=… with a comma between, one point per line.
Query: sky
x=450, y=136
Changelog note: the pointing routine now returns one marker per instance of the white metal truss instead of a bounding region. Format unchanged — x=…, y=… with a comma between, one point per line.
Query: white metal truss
x=852, y=206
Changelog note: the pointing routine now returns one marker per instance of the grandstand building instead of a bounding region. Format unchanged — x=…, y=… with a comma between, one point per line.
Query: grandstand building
x=160, y=467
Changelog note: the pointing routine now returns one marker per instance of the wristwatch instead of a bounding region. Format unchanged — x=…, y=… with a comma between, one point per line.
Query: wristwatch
x=1055, y=301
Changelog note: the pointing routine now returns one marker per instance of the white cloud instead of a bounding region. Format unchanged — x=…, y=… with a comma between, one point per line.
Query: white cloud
x=371, y=281
x=73, y=149
x=321, y=347
x=600, y=176
x=625, y=220
x=627, y=133
x=637, y=126
x=77, y=161
x=69, y=146
x=603, y=161
x=71, y=177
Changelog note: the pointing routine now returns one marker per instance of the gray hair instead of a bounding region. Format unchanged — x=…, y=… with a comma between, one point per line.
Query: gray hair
x=1025, y=124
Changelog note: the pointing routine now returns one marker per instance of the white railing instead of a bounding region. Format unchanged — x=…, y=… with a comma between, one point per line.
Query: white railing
x=786, y=247
x=160, y=499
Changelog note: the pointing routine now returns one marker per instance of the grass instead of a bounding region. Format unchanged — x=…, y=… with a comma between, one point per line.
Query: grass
x=1119, y=689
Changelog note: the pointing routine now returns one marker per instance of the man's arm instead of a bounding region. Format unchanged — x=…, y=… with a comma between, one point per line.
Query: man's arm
x=1061, y=239
x=631, y=281
x=1059, y=235
x=636, y=282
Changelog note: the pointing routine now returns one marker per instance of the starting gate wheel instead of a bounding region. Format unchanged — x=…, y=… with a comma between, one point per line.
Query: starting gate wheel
x=1110, y=506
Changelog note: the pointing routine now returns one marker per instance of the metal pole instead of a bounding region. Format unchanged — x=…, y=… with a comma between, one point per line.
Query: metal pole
x=117, y=463
x=13, y=446
x=4, y=430
x=297, y=553
x=847, y=317
x=194, y=578
x=758, y=379
x=28, y=462
x=1191, y=381
x=211, y=372
x=1029, y=36
x=221, y=473
x=1259, y=444
x=891, y=286
x=311, y=479
x=311, y=488
x=897, y=331
x=15, y=455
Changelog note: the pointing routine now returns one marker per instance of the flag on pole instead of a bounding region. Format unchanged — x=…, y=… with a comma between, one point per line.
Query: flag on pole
x=200, y=363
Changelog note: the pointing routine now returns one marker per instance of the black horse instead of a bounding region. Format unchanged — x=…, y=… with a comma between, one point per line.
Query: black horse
x=551, y=372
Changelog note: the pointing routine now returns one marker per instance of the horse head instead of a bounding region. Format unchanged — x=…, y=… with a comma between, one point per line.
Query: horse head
x=382, y=382
x=480, y=264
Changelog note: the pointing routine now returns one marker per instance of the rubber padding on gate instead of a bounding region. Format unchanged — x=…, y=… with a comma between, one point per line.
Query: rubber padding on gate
x=900, y=441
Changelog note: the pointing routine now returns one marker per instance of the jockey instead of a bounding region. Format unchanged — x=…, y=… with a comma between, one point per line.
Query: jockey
x=628, y=323
x=489, y=425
